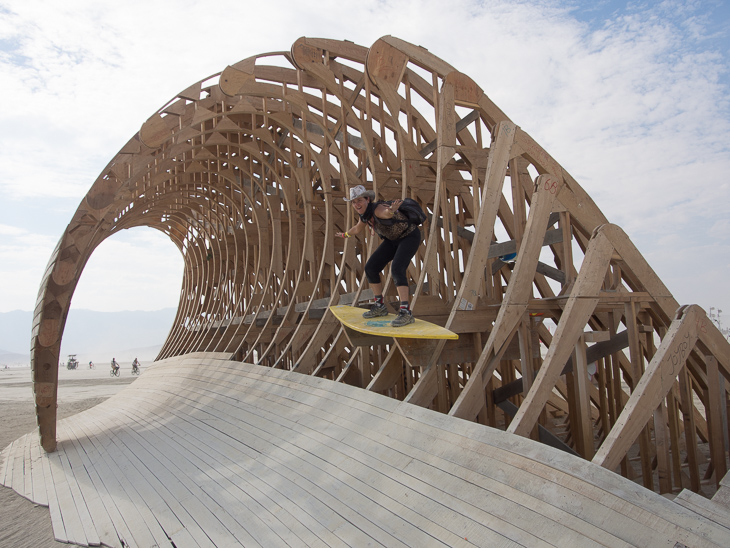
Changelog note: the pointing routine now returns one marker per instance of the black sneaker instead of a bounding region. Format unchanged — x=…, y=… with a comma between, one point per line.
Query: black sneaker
x=404, y=317
x=376, y=310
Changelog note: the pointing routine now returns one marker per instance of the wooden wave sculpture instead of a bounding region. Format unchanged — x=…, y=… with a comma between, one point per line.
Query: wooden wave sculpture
x=246, y=172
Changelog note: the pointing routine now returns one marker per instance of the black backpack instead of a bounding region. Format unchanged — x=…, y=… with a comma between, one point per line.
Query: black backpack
x=411, y=209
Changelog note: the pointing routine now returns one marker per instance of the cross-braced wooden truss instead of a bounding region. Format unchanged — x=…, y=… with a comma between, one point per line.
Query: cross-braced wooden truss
x=245, y=172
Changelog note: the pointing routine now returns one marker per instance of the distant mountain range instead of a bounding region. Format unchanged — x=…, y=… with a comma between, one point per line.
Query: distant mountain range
x=92, y=336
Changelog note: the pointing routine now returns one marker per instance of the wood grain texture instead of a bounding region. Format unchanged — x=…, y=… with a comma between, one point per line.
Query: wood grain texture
x=202, y=450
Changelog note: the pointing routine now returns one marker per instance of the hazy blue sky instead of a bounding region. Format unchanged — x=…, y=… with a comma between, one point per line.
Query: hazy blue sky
x=630, y=97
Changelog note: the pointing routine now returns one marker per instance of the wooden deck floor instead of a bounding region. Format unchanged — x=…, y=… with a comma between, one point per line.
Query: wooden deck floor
x=202, y=451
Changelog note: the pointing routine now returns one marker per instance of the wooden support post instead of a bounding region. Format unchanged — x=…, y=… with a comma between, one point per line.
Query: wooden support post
x=662, y=448
x=350, y=374
x=603, y=378
x=506, y=372
x=364, y=366
x=389, y=373
x=524, y=334
x=418, y=353
x=690, y=434
x=582, y=408
x=637, y=368
x=716, y=400
x=566, y=250
x=489, y=415
x=674, y=433
x=442, y=395
x=454, y=382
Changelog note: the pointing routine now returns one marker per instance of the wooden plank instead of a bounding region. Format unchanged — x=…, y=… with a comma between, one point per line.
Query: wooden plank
x=325, y=411
x=593, y=353
x=27, y=491
x=524, y=337
x=566, y=249
x=18, y=480
x=639, y=273
x=5, y=456
x=303, y=499
x=370, y=421
x=704, y=507
x=544, y=435
x=72, y=521
x=446, y=444
x=73, y=478
x=293, y=465
x=59, y=528
x=293, y=421
x=160, y=489
x=231, y=482
x=187, y=436
x=40, y=496
x=92, y=489
x=722, y=497
x=643, y=513
x=129, y=512
x=182, y=487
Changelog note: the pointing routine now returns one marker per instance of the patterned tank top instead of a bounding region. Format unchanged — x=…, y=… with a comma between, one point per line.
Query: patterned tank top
x=388, y=229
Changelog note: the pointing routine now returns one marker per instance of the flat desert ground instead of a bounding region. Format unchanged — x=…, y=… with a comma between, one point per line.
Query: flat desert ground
x=22, y=523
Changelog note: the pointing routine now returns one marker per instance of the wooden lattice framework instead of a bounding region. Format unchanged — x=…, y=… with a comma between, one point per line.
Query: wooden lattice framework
x=245, y=171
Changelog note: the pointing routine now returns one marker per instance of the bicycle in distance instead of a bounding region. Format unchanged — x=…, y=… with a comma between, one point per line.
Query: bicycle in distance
x=135, y=367
x=115, y=368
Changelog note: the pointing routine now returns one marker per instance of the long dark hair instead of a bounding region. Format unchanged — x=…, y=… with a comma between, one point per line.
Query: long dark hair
x=369, y=215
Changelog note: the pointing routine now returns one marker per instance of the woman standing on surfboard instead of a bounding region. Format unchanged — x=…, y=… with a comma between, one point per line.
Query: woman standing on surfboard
x=401, y=239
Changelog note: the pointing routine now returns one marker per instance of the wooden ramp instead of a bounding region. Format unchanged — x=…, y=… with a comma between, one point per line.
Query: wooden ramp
x=202, y=451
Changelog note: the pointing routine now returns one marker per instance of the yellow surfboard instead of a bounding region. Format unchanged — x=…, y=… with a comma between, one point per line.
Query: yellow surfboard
x=351, y=317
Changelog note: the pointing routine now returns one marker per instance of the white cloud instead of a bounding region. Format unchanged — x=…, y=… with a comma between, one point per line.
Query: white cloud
x=7, y=230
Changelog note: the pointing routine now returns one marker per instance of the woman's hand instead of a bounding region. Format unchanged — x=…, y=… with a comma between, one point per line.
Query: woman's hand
x=393, y=207
x=387, y=211
x=342, y=235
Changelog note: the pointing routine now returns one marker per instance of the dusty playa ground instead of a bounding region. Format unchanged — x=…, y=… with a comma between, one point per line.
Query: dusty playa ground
x=22, y=523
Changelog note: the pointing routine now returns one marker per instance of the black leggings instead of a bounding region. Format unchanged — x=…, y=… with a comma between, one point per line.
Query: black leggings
x=400, y=252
